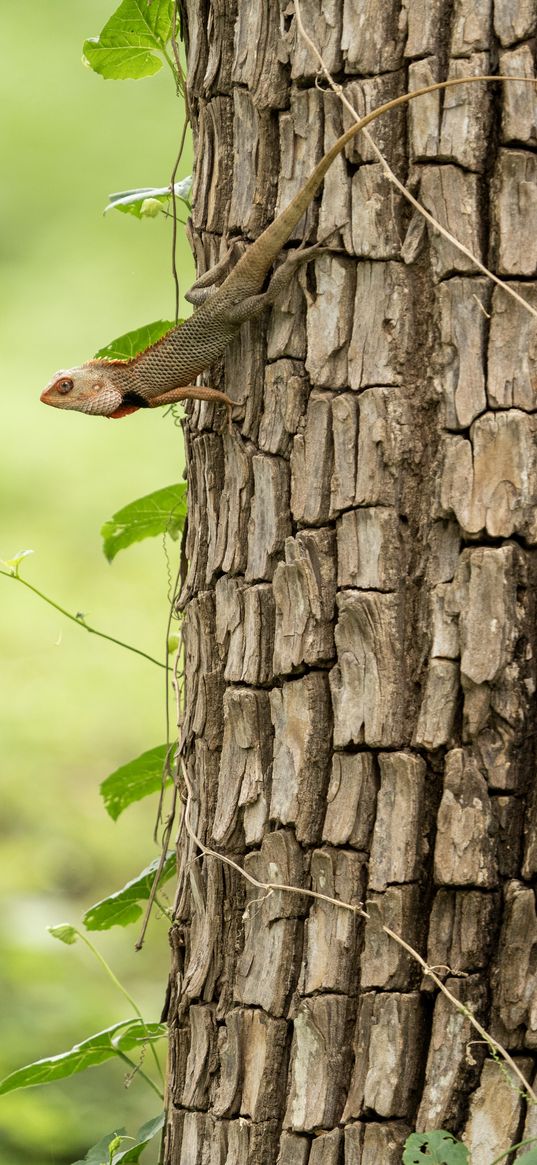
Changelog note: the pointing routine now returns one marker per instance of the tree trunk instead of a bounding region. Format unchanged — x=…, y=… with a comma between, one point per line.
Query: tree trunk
x=359, y=606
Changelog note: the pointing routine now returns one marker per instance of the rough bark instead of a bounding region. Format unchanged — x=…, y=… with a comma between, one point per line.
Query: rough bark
x=359, y=606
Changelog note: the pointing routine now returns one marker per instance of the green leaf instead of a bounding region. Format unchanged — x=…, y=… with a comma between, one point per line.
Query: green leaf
x=150, y=208
x=132, y=201
x=135, y=780
x=436, y=1148
x=99, y=1154
x=162, y=512
x=122, y=908
x=145, y=1134
x=126, y=46
x=14, y=563
x=137, y=1033
x=88, y=1054
x=64, y=932
x=132, y=343
x=528, y=1158
x=116, y=1144
x=109, y=1147
x=136, y=206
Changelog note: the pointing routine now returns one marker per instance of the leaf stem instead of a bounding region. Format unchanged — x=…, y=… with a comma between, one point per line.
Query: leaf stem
x=164, y=910
x=80, y=621
x=519, y=1145
x=171, y=63
x=107, y=968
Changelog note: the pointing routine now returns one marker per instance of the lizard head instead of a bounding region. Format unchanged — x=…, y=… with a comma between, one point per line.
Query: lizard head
x=87, y=389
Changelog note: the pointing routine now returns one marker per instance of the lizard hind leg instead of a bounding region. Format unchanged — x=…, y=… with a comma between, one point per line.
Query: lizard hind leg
x=254, y=304
x=207, y=283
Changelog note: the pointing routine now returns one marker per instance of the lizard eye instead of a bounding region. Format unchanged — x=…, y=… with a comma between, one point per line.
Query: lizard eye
x=64, y=386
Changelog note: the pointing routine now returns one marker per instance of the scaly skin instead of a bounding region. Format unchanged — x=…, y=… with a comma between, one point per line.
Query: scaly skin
x=164, y=373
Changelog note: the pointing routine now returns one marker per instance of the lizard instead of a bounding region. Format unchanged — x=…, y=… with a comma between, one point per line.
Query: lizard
x=163, y=373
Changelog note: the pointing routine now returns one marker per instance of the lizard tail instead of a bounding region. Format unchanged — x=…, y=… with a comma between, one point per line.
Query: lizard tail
x=252, y=268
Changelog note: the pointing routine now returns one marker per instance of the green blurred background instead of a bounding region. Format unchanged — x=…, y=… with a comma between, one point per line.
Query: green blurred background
x=74, y=707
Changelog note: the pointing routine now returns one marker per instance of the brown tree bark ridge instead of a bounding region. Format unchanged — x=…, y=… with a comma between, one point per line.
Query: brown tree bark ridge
x=359, y=605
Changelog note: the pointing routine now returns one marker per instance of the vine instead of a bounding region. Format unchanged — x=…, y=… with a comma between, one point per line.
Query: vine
x=136, y=42
x=13, y=571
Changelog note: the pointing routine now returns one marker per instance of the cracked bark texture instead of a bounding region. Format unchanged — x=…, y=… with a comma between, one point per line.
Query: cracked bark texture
x=359, y=605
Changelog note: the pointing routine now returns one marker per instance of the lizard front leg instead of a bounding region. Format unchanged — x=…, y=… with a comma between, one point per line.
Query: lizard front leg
x=193, y=392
